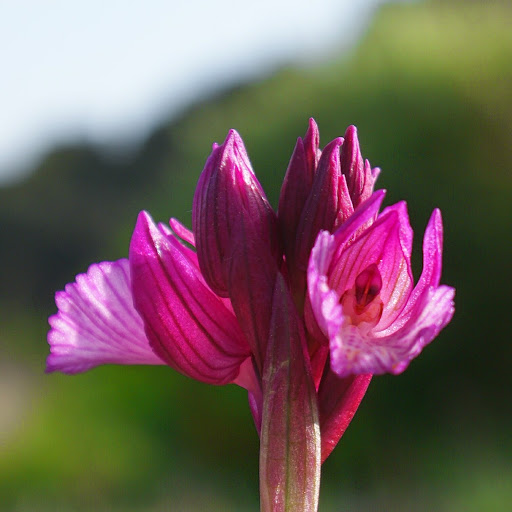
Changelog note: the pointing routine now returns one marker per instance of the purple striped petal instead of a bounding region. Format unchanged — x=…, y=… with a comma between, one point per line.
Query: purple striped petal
x=406, y=232
x=97, y=323
x=360, y=176
x=345, y=206
x=186, y=323
x=377, y=243
x=324, y=300
x=338, y=400
x=249, y=379
x=228, y=190
x=431, y=315
x=321, y=207
x=362, y=217
x=354, y=353
x=188, y=253
x=182, y=232
x=387, y=332
x=297, y=186
x=381, y=244
x=430, y=275
x=352, y=165
x=251, y=276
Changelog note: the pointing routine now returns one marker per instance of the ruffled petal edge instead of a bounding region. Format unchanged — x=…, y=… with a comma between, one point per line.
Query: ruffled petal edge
x=96, y=322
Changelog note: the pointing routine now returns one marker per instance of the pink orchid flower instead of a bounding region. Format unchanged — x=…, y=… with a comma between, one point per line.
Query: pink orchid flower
x=235, y=301
x=363, y=295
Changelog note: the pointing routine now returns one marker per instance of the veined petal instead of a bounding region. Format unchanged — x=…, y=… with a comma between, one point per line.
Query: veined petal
x=370, y=177
x=386, y=243
x=186, y=323
x=227, y=191
x=338, y=400
x=345, y=205
x=97, y=322
x=248, y=379
x=311, y=146
x=173, y=236
x=324, y=301
x=433, y=313
x=182, y=232
x=379, y=244
x=363, y=216
x=352, y=165
x=321, y=207
x=360, y=176
x=252, y=272
x=432, y=252
x=297, y=185
x=397, y=275
x=430, y=275
x=354, y=353
x=406, y=232
x=405, y=319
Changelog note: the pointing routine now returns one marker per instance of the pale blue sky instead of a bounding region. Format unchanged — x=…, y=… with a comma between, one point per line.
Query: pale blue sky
x=107, y=70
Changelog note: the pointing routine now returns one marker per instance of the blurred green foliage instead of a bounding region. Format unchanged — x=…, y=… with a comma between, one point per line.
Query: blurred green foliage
x=430, y=90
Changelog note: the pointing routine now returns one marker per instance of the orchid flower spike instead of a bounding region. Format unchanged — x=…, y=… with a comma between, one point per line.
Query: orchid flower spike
x=300, y=308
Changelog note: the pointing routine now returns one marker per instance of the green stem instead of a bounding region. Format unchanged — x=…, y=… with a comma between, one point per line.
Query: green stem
x=290, y=433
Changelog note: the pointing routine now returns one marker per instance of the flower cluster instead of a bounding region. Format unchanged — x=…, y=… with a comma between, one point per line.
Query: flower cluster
x=299, y=307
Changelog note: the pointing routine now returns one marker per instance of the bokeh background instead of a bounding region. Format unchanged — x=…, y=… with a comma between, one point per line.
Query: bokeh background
x=429, y=86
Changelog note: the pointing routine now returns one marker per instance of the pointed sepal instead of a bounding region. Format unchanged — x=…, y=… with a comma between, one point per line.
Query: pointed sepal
x=227, y=191
x=297, y=186
x=359, y=175
x=338, y=400
x=187, y=325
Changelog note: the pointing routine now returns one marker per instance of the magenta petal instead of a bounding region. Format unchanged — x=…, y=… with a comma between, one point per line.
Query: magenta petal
x=324, y=301
x=380, y=244
x=186, y=323
x=409, y=318
x=345, y=205
x=248, y=379
x=352, y=165
x=406, y=232
x=387, y=243
x=297, y=186
x=311, y=146
x=433, y=313
x=360, y=176
x=363, y=216
x=251, y=276
x=173, y=236
x=228, y=190
x=431, y=273
x=370, y=177
x=294, y=192
x=432, y=251
x=182, y=232
x=97, y=323
x=353, y=353
x=321, y=208
x=338, y=400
